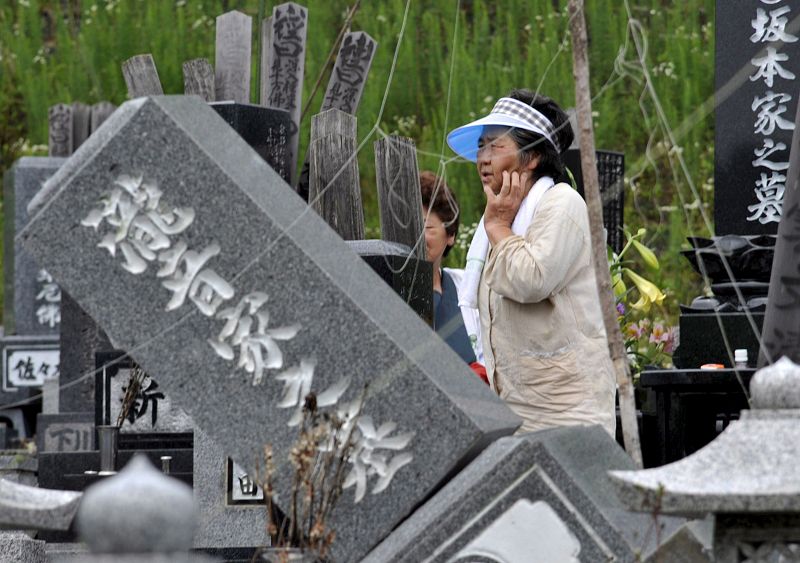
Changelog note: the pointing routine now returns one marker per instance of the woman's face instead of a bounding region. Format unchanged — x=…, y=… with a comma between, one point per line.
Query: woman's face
x=497, y=153
x=436, y=237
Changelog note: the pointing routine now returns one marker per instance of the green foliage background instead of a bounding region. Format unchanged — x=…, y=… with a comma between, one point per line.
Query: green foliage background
x=54, y=51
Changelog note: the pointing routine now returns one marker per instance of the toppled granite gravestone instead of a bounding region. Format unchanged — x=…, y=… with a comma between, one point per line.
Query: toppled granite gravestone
x=554, y=479
x=201, y=262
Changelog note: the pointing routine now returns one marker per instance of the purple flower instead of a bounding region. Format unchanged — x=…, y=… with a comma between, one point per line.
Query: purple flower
x=621, y=309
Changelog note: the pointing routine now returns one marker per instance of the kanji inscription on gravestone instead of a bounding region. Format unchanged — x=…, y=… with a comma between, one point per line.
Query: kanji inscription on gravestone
x=32, y=299
x=186, y=247
x=350, y=72
x=286, y=63
x=753, y=118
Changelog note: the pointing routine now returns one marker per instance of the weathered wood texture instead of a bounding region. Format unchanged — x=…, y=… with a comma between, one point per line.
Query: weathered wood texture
x=591, y=187
x=141, y=76
x=59, y=137
x=399, y=198
x=266, y=43
x=198, y=79
x=335, y=189
x=233, y=54
x=100, y=112
x=285, y=67
x=345, y=86
x=81, y=123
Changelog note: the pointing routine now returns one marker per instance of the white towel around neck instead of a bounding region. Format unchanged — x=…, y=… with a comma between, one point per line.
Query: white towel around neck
x=479, y=248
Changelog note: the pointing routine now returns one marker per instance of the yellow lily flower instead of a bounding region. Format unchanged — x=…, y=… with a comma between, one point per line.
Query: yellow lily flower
x=647, y=255
x=648, y=291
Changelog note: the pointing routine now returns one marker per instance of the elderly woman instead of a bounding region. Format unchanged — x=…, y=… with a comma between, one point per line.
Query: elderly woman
x=529, y=269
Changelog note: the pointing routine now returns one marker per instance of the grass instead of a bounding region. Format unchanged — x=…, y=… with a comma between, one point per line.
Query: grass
x=71, y=50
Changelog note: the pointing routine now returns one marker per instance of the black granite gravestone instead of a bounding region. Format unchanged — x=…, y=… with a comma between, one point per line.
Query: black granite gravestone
x=757, y=64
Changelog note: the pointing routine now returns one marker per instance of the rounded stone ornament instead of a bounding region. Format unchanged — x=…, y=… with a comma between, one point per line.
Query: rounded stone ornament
x=139, y=510
x=776, y=386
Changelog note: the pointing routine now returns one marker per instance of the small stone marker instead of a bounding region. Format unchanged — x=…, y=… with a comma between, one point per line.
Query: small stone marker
x=232, y=61
x=753, y=112
x=59, y=142
x=399, y=196
x=223, y=522
x=29, y=360
x=202, y=289
x=31, y=297
x=65, y=432
x=553, y=480
x=198, y=79
x=141, y=76
x=335, y=189
x=285, y=66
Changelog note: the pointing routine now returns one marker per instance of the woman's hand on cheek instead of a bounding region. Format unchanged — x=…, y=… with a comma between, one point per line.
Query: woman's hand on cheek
x=501, y=209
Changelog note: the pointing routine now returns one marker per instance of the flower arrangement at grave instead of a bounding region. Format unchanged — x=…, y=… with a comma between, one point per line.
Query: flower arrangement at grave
x=649, y=342
x=322, y=462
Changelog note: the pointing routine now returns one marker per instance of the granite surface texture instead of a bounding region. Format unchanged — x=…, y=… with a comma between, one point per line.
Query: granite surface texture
x=563, y=467
x=17, y=547
x=220, y=524
x=280, y=307
x=26, y=507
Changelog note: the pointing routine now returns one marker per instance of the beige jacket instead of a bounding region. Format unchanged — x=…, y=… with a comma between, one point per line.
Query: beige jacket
x=543, y=336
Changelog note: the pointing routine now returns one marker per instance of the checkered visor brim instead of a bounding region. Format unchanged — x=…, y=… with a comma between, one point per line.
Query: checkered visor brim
x=538, y=122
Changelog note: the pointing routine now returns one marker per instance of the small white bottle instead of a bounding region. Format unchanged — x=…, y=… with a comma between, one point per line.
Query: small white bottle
x=740, y=358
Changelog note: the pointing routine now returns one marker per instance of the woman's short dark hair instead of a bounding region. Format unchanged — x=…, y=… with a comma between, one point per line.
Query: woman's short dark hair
x=440, y=199
x=533, y=144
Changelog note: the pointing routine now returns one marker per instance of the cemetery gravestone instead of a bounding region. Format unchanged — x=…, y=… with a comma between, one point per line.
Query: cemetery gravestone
x=286, y=63
x=31, y=297
x=81, y=123
x=345, y=86
x=520, y=486
x=141, y=76
x=226, y=286
x=349, y=73
x=753, y=111
x=32, y=308
x=266, y=130
x=232, y=60
x=198, y=79
x=59, y=142
x=399, y=195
